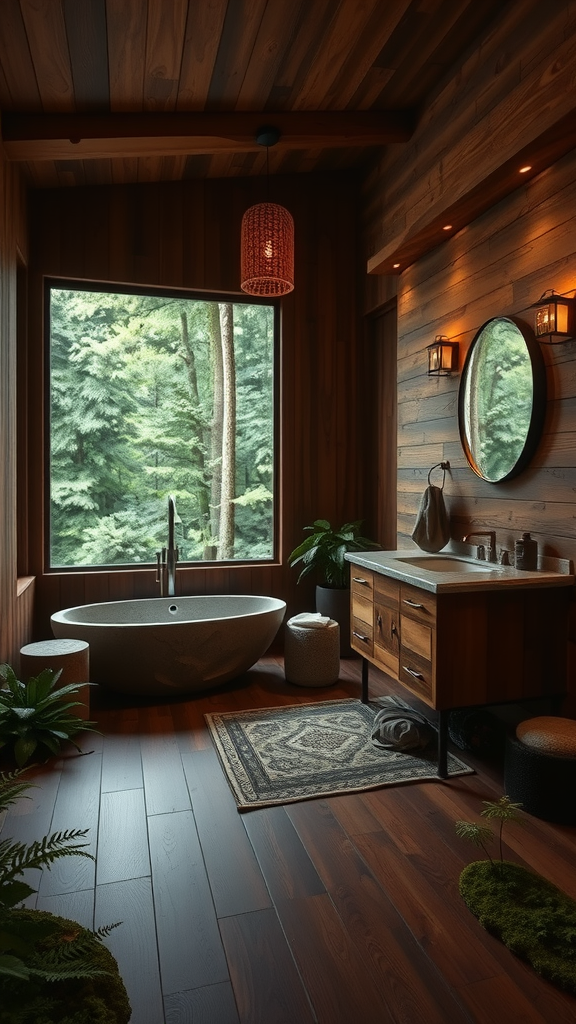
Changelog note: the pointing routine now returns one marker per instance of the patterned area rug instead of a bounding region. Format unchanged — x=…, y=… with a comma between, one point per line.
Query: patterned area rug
x=279, y=755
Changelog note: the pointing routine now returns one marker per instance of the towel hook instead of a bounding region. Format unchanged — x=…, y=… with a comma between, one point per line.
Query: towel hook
x=440, y=465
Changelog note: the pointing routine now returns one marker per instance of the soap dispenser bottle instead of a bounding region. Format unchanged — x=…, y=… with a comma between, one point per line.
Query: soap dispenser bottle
x=526, y=553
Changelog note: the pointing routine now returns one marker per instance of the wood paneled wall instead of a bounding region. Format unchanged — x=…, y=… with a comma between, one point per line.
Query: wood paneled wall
x=15, y=608
x=497, y=265
x=187, y=235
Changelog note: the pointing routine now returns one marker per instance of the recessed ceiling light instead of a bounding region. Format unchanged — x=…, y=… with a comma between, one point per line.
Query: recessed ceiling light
x=447, y=227
x=524, y=170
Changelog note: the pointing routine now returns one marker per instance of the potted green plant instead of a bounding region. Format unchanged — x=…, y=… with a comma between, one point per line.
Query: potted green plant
x=36, y=717
x=51, y=969
x=322, y=553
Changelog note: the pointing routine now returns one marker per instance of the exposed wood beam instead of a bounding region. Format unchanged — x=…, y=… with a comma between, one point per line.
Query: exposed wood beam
x=428, y=231
x=91, y=136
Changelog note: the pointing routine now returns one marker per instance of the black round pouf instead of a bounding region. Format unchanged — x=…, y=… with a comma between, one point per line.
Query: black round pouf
x=543, y=783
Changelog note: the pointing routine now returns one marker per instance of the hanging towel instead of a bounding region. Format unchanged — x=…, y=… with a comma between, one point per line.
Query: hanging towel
x=432, y=529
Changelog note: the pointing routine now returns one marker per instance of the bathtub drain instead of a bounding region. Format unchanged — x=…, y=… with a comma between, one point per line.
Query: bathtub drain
x=173, y=609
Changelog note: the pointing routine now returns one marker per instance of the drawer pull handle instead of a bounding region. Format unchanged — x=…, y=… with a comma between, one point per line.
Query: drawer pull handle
x=393, y=629
x=358, y=579
x=359, y=636
x=411, y=672
x=413, y=604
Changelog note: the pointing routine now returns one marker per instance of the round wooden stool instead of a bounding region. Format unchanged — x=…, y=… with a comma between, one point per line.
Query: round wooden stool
x=540, y=768
x=72, y=656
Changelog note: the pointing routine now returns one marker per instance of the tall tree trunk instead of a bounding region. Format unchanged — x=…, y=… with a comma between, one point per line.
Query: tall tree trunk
x=228, y=432
x=198, y=451
x=217, y=420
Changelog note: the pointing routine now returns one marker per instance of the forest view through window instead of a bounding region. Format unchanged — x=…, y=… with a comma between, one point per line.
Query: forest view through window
x=152, y=395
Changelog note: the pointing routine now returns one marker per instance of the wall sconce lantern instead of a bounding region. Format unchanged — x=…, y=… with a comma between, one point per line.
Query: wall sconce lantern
x=554, y=319
x=442, y=357
x=267, y=241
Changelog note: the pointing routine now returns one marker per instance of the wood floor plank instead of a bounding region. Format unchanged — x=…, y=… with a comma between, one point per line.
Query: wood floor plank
x=339, y=985
x=414, y=988
x=133, y=943
x=214, y=1004
x=235, y=876
x=492, y=1000
x=284, y=862
x=164, y=783
x=122, y=837
x=190, y=948
x=77, y=807
x=121, y=763
x=266, y=983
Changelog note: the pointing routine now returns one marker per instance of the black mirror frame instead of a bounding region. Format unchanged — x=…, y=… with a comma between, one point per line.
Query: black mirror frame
x=539, y=398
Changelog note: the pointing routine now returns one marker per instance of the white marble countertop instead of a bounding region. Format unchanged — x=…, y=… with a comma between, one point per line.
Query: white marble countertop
x=400, y=565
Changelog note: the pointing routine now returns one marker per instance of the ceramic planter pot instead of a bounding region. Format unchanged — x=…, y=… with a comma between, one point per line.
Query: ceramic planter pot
x=336, y=604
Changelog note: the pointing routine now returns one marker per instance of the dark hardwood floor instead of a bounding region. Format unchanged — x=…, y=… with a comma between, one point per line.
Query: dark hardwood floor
x=337, y=911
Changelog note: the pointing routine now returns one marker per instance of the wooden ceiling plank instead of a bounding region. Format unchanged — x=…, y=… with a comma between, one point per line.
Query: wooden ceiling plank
x=46, y=32
x=202, y=39
x=361, y=56
x=164, y=45
x=21, y=90
x=126, y=53
x=38, y=137
x=87, y=43
x=239, y=33
x=275, y=37
x=349, y=23
x=313, y=22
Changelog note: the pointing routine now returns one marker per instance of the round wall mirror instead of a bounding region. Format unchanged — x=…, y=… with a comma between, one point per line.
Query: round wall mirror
x=502, y=399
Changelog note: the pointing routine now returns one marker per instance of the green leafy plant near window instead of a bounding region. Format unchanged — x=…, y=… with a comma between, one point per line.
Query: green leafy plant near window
x=532, y=917
x=324, y=550
x=51, y=970
x=35, y=717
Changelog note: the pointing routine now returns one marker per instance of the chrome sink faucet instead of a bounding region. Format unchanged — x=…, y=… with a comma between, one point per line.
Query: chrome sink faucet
x=482, y=553
x=167, y=558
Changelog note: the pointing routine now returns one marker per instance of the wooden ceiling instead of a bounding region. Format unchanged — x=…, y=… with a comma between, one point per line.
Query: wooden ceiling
x=114, y=91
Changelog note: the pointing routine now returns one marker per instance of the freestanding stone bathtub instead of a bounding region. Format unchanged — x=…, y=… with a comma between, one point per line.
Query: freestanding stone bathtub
x=167, y=646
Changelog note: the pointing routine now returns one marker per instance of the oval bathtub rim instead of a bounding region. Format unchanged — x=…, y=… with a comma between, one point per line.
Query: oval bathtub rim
x=59, y=616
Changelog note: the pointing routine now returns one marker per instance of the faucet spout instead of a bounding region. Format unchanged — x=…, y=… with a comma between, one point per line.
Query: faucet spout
x=491, y=538
x=168, y=557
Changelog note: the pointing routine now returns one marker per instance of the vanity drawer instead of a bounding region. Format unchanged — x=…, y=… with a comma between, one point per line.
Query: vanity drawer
x=418, y=604
x=363, y=609
x=416, y=673
x=361, y=636
x=361, y=582
x=386, y=592
x=417, y=637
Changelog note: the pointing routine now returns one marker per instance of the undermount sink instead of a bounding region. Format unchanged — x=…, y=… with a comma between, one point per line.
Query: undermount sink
x=446, y=563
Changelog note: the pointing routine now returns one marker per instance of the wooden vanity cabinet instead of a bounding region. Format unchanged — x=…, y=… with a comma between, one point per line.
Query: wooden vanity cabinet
x=465, y=648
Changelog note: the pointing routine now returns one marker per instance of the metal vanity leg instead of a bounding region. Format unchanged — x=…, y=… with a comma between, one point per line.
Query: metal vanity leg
x=365, y=666
x=443, y=744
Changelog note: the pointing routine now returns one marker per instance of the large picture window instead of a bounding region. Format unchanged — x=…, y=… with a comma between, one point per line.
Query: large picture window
x=154, y=395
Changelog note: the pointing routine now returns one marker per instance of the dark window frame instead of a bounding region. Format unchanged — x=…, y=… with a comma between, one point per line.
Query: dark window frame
x=83, y=284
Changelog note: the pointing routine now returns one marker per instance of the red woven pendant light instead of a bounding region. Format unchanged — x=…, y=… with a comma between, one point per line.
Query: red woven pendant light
x=267, y=241
x=267, y=250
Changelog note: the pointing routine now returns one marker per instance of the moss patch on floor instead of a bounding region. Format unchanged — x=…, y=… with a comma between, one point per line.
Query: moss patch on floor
x=531, y=916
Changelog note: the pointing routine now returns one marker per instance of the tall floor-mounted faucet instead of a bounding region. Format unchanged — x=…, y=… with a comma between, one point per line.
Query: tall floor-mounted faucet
x=167, y=558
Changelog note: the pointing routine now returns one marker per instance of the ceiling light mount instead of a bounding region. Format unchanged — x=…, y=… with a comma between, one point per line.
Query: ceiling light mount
x=267, y=239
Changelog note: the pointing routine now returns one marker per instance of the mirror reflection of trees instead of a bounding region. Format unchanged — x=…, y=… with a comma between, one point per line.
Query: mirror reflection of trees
x=498, y=398
x=157, y=395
